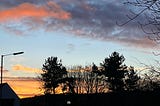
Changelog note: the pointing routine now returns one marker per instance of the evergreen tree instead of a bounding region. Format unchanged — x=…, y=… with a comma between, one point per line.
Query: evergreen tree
x=132, y=79
x=53, y=73
x=114, y=70
x=95, y=70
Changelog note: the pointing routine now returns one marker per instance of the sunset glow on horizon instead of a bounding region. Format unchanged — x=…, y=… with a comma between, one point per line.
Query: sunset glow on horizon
x=25, y=87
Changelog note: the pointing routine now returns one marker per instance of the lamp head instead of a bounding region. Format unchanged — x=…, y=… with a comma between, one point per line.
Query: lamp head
x=18, y=53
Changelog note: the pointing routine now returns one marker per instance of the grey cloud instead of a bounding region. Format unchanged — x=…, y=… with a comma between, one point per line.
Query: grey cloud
x=10, y=3
x=95, y=19
x=70, y=47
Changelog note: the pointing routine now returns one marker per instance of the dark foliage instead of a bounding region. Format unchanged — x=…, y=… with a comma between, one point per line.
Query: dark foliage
x=68, y=83
x=123, y=81
x=131, y=79
x=53, y=72
x=114, y=70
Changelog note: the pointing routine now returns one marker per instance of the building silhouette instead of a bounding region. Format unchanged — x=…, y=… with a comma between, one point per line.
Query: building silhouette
x=7, y=96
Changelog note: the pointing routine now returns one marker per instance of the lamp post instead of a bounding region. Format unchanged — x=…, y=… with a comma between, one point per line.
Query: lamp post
x=2, y=56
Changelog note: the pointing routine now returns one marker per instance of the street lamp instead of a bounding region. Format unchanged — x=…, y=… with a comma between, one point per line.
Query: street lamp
x=17, y=53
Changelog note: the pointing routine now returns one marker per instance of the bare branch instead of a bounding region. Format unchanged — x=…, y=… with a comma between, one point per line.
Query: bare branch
x=156, y=54
x=132, y=18
x=151, y=10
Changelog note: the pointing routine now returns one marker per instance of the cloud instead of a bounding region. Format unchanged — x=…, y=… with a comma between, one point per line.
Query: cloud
x=70, y=47
x=11, y=3
x=25, y=10
x=136, y=42
x=19, y=67
x=84, y=18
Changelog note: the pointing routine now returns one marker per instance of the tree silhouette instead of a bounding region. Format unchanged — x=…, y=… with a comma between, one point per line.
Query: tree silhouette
x=150, y=10
x=95, y=70
x=114, y=70
x=68, y=84
x=132, y=79
x=100, y=82
x=53, y=72
x=86, y=80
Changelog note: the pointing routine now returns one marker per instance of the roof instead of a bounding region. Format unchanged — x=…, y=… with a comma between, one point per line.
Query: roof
x=7, y=92
x=1, y=85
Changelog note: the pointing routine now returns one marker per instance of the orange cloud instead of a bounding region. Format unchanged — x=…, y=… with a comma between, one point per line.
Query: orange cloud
x=19, y=67
x=30, y=10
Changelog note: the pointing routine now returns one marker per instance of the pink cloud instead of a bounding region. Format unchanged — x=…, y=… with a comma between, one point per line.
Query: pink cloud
x=36, y=11
x=138, y=42
x=95, y=20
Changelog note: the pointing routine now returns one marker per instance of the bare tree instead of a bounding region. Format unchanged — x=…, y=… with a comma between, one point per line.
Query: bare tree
x=87, y=80
x=150, y=9
x=150, y=76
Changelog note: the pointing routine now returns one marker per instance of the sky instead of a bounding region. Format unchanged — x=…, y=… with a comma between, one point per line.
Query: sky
x=79, y=32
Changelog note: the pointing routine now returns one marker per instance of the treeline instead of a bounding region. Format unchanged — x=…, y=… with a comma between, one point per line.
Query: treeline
x=111, y=76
